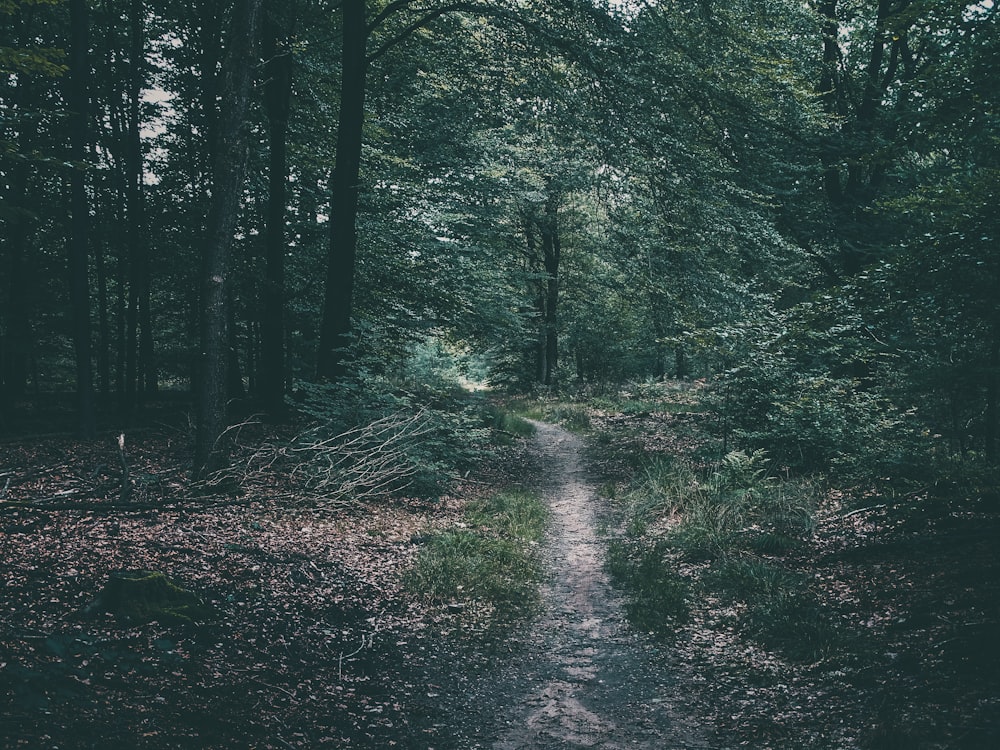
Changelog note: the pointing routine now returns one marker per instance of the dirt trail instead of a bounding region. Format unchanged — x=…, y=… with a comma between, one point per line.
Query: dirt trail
x=587, y=680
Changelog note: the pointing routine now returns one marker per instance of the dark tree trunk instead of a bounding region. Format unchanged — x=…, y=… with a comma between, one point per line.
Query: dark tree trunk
x=659, y=356
x=277, y=94
x=992, y=394
x=16, y=320
x=228, y=175
x=551, y=252
x=234, y=373
x=857, y=143
x=16, y=331
x=115, y=243
x=682, y=369
x=537, y=288
x=211, y=45
x=103, y=323
x=79, y=287
x=149, y=380
x=138, y=354
x=335, y=333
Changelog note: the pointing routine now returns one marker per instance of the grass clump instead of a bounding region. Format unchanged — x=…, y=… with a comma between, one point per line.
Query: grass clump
x=572, y=416
x=737, y=523
x=658, y=597
x=488, y=559
x=782, y=613
x=508, y=426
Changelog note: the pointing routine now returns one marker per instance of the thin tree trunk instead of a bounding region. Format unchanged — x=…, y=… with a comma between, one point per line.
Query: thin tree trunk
x=234, y=374
x=16, y=316
x=17, y=335
x=140, y=371
x=79, y=286
x=992, y=394
x=103, y=324
x=335, y=333
x=277, y=95
x=229, y=171
x=551, y=252
x=537, y=289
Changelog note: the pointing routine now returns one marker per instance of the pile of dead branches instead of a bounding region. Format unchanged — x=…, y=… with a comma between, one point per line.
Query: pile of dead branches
x=330, y=468
x=367, y=461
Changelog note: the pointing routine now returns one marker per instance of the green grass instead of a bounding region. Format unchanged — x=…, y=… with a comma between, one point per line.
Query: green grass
x=640, y=399
x=571, y=415
x=507, y=425
x=740, y=525
x=658, y=597
x=491, y=560
x=783, y=613
x=513, y=514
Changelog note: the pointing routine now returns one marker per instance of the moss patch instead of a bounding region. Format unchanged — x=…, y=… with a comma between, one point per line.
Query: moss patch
x=142, y=596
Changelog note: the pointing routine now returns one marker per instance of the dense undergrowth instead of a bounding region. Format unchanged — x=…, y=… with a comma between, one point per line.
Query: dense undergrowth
x=819, y=604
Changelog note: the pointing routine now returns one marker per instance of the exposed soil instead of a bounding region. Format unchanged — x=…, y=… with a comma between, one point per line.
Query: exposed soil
x=586, y=679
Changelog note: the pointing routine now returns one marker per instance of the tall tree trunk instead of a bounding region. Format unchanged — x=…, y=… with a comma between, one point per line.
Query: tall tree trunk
x=79, y=286
x=277, y=95
x=537, y=288
x=551, y=252
x=228, y=176
x=659, y=331
x=16, y=317
x=992, y=394
x=138, y=255
x=16, y=320
x=335, y=332
x=234, y=374
x=103, y=323
x=135, y=238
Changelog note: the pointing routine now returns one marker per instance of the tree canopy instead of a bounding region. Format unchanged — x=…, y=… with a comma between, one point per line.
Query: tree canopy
x=794, y=200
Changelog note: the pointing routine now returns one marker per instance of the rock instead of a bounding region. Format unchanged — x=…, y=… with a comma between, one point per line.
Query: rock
x=141, y=596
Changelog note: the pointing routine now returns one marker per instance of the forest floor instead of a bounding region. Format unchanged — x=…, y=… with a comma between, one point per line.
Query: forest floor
x=315, y=642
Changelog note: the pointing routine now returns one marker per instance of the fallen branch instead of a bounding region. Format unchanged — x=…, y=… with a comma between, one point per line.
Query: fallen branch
x=866, y=509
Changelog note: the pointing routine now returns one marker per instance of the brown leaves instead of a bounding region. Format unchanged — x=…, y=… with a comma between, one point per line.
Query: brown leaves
x=310, y=627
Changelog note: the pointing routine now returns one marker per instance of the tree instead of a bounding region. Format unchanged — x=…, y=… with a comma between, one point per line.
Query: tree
x=277, y=54
x=140, y=368
x=341, y=260
x=78, y=102
x=367, y=38
x=227, y=184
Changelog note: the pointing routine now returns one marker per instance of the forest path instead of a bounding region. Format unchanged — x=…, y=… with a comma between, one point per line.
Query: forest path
x=586, y=679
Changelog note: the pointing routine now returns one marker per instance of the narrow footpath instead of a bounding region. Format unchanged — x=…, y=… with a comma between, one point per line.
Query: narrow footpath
x=586, y=679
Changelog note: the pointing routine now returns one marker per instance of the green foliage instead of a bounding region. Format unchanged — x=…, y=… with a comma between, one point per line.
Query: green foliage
x=809, y=397
x=738, y=520
x=782, y=612
x=443, y=431
x=492, y=560
x=658, y=597
x=513, y=514
x=736, y=506
x=507, y=425
x=574, y=417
